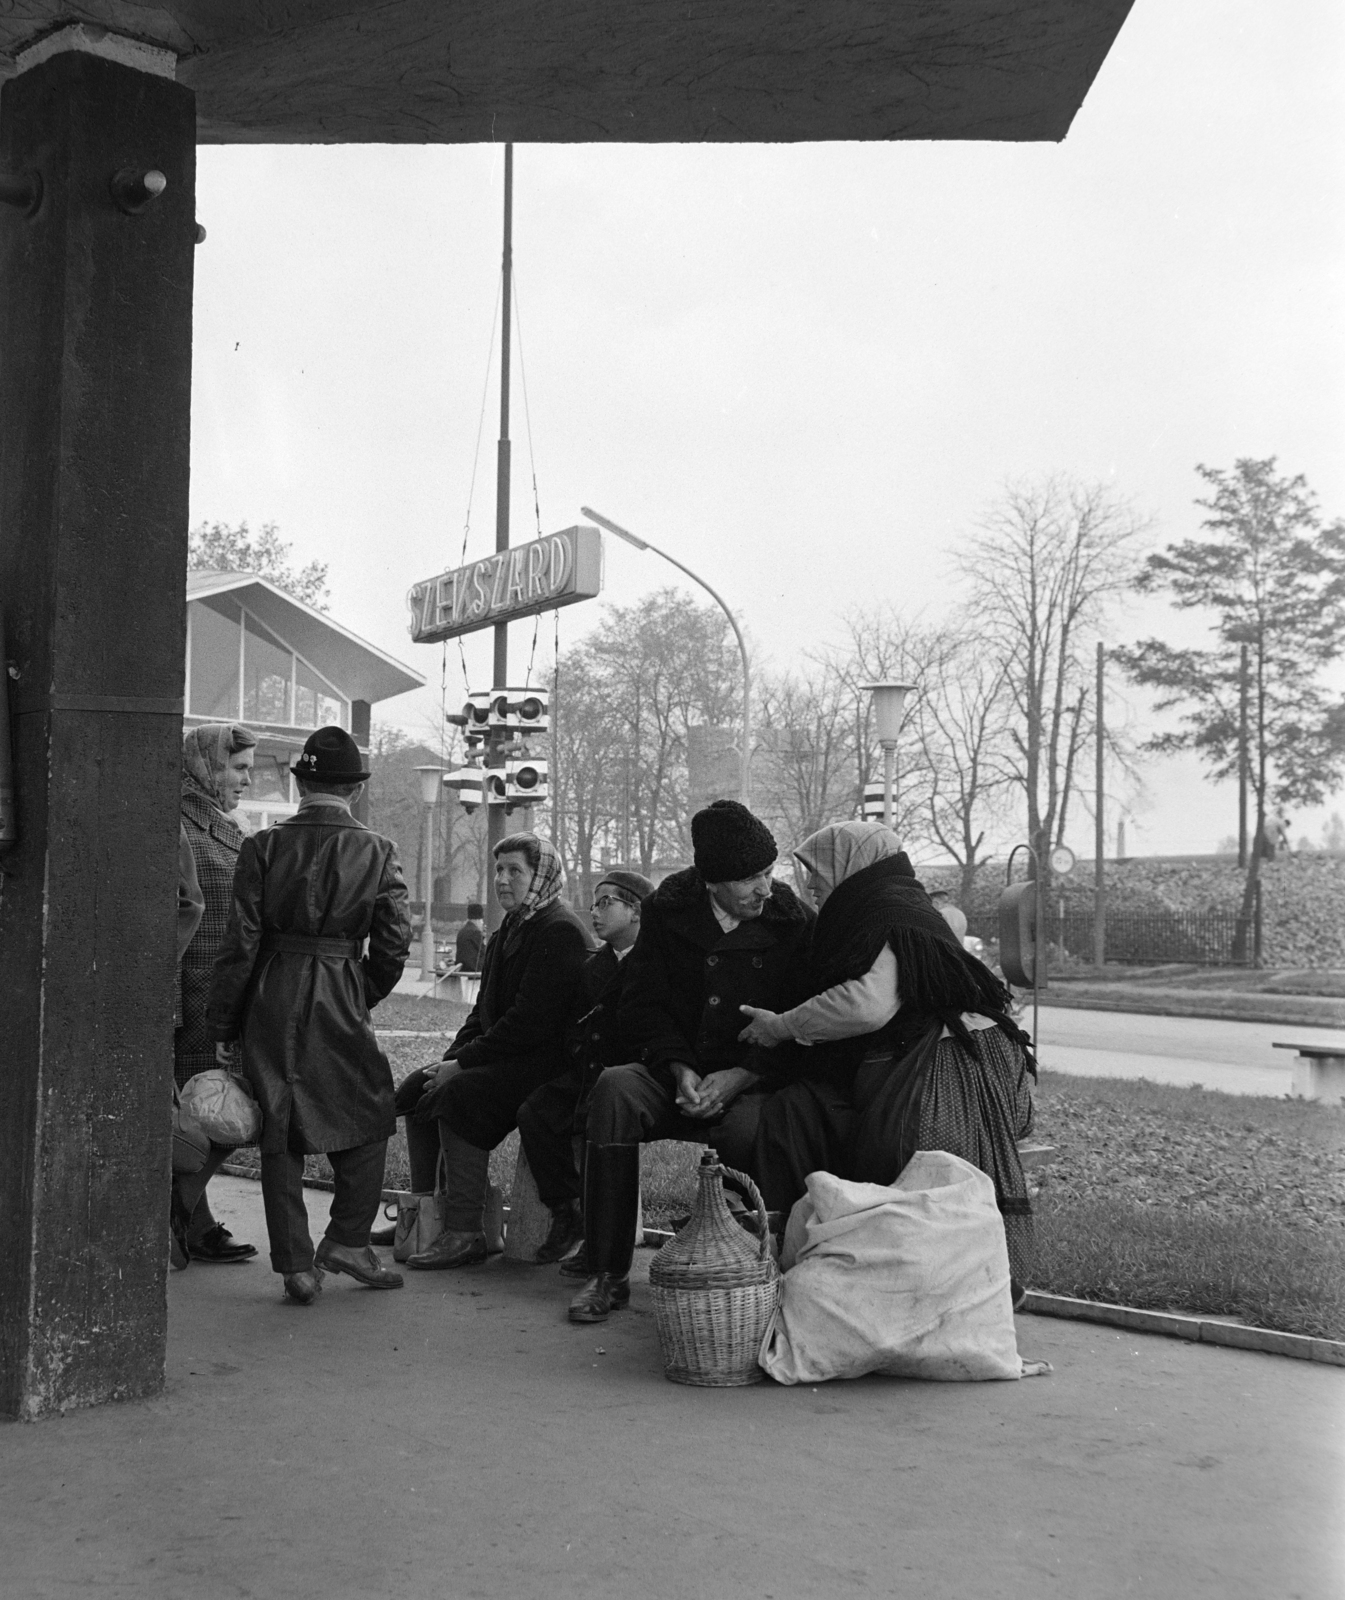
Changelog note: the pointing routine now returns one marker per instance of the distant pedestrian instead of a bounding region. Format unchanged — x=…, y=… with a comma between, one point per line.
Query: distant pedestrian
x=470, y=946
x=292, y=987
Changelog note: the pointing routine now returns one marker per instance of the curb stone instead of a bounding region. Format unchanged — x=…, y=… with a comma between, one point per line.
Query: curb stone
x=1198, y=1330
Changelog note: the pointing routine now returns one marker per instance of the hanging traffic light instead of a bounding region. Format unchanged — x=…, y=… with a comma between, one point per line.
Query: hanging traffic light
x=467, y=782
x=477, y=711
x=521, y=711
x=525, y=781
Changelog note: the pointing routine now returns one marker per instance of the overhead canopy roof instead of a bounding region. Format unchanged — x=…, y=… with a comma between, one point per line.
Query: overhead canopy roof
x=476, y=71
x=357, y=668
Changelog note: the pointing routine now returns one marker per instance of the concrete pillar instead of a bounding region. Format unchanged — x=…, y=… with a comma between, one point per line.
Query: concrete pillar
x=95, y=394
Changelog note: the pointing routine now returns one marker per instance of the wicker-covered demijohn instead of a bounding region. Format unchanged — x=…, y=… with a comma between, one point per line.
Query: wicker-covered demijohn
x=715, y=1287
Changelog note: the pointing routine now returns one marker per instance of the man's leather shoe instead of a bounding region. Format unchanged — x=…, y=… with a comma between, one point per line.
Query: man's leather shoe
x=362, y=1265
x=567, y=1229
x=576, y=1266
x=450, y=1249
x=218, y=1244
x=303, y=1287
x=599, y=1297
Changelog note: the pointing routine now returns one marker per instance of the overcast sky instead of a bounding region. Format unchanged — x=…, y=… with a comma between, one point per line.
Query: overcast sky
x=805, y=369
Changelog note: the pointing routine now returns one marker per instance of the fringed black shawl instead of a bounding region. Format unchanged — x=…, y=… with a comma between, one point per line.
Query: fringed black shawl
x=937, y=979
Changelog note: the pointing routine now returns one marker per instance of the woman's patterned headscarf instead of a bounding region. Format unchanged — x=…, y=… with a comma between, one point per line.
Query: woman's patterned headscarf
x=548, y=879
x=205, y=758
x=841, y=849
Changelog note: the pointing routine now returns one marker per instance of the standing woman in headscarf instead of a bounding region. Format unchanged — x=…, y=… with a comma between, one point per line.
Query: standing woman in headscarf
x=216, y=774
x=913, y=1044
x=511, y=1043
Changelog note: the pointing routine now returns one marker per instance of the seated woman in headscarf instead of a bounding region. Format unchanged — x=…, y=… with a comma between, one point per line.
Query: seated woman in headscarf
x=512, y=1042
x=913, y=1047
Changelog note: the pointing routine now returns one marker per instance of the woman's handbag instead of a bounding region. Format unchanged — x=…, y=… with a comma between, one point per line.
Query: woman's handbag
x=420, y=1218
x=223, y=1107
x=190, y=1145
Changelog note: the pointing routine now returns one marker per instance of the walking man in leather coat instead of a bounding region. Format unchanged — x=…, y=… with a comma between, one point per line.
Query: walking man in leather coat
x=292, y=985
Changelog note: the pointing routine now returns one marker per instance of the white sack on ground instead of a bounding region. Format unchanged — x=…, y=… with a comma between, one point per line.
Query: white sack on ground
x=911, y=1281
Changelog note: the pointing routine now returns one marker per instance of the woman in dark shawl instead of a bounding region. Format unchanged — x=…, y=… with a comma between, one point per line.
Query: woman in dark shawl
x=913, y=1047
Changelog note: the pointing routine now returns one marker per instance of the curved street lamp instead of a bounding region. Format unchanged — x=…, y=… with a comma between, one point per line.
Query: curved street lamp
x=745, y=765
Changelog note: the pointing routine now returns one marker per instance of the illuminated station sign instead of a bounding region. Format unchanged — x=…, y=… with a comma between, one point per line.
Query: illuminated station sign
x=519, y=582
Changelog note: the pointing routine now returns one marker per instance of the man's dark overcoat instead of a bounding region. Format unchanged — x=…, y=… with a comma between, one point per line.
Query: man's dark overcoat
x=527, y=989
x=688, y=978
x=291, y=981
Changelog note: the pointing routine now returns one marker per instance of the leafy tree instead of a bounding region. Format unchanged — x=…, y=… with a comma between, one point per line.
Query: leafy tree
x=1046, y=563
x=215, y=547
x=1274, y=579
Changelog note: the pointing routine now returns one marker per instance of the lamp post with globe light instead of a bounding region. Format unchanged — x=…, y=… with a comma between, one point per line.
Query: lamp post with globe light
x=745, y=764
x=889, y=702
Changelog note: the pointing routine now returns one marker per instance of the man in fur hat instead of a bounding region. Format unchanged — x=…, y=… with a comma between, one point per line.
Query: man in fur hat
x=721, y=934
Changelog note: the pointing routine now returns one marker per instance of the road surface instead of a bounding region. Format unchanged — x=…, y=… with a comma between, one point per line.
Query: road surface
x=1234, y=1056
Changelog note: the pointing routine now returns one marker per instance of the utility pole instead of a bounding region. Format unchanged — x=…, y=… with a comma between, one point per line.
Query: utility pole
x=1100, y=831
x=1242, y=758
x=495, y=817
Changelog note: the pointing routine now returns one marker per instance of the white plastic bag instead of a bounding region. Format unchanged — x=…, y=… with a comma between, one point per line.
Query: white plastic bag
x=223, y=1107
x=911, y=1280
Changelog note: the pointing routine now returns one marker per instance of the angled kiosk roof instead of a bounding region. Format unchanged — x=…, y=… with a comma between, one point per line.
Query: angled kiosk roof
x=358, y=668
x=486, y=71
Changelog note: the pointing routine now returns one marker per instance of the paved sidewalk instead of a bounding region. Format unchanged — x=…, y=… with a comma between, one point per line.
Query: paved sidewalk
x=459, y=1439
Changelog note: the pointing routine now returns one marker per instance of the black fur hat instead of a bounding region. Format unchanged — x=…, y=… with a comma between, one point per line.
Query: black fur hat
x=729, y=843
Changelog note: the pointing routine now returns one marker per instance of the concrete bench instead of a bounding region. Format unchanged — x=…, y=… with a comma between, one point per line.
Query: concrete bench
x=1319, y=1071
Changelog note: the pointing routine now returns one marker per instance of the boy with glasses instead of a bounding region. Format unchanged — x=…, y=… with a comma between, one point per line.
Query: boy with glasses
x=550, y=1118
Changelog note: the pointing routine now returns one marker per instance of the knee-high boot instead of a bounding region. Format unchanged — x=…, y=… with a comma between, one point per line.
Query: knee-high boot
x=466, y=1172
x=611, y=1200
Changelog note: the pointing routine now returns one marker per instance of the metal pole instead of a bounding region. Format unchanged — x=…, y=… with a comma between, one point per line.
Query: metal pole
x=889, y=786
x=427, y=953
x=1242, y=757
x=1099, y=833
x=495, y=817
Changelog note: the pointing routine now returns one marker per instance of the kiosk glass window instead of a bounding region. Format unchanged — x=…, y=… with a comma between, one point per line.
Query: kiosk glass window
x=214, y=660
x=270, y=781
x=267, y=665
x=316, y=705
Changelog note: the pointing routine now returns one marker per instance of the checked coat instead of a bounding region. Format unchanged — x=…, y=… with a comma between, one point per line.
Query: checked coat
x=215, y=840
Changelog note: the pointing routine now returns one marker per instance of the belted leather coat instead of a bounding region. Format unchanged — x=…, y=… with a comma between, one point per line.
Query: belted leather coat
x=688, y=977
x=319, y=932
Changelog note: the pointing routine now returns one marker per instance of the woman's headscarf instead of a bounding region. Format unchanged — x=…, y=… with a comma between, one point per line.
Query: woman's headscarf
x=841, y=849
x=205, y=759
x=548, y=879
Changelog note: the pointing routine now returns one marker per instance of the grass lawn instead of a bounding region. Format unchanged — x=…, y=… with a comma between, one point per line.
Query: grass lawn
x=1168, y=1198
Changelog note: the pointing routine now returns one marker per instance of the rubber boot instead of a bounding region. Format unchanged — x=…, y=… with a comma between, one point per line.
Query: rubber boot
x=611, y=1198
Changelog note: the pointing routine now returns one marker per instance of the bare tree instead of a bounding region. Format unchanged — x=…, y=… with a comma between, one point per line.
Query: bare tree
x=1048, y=560
x=961, y=722
x=804, y=772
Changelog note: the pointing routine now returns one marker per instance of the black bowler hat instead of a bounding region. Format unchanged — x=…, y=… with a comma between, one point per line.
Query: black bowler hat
x=331, y=756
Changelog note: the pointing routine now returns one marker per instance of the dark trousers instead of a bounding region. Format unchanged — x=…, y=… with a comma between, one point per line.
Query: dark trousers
x=632, y=1105
x=480, y=1105
x=546, y=1129
x=359, y=1188
x=806, y=1127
